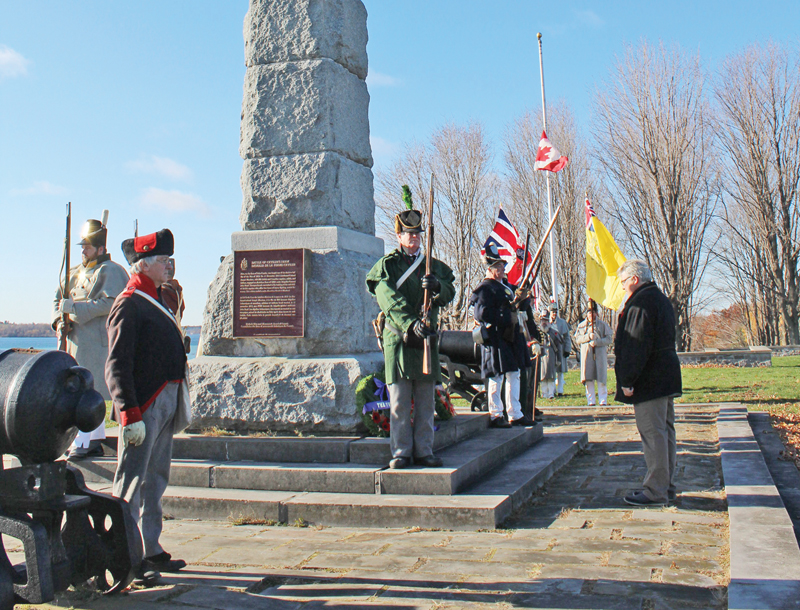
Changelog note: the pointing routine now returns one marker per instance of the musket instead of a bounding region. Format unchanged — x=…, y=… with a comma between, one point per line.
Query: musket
x=62, y=338
x=535, y=387
x=427, y=360
x=136, y=228
x=540, y=249
x=525, y=330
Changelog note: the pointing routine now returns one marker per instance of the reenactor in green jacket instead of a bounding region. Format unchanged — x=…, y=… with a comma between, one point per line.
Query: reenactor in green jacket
x=398, y=282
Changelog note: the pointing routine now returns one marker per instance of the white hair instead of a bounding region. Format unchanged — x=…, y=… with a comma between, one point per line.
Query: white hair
x=638, y=268
x=143, y=264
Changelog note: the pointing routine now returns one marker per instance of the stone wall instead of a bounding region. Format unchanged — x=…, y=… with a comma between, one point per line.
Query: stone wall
x=745, y=357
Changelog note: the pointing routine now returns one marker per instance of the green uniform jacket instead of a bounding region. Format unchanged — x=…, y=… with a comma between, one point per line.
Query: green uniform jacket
x=402, y=306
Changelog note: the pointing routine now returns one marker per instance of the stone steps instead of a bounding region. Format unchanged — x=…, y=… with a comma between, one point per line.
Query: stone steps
x=486, y=504
x=302, y=449
x=464, y=463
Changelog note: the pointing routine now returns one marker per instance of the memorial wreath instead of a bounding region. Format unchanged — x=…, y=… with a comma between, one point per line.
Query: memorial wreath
x=372, y=399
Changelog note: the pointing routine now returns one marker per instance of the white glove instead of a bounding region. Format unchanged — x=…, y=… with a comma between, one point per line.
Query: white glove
x=133, y=433
x=67, y=306
x=537, y=349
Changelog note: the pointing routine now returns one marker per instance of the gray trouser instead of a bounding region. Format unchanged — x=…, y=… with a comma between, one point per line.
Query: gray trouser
x=143, y=472
x=655, y=420
x=407, y=439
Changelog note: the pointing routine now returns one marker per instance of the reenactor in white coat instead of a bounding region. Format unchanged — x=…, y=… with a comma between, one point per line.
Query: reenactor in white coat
x=594, y=336
x=93, y=286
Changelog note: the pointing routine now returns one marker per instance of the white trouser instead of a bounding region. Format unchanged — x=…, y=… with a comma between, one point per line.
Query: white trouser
x=512, y=396
x=560, y=380
x=548, y=388
x=84, y=438
x=602, y=392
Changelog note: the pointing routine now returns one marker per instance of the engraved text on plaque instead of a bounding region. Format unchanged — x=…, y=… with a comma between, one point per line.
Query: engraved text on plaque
x=268, y=293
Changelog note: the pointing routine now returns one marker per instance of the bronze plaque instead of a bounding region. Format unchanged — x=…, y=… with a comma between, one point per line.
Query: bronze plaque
x=268, y=293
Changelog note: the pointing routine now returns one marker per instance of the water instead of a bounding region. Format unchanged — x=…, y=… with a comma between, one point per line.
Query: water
x=52, y=343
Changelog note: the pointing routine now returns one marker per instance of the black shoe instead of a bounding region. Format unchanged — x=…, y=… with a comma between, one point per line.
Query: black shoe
x=429, y=461
x=399, y=463
x=146, y=577
x=537, y=415
x=523, y=421
x=95, y=449
x=639, y=498
x=163, y=562
x=498, y=422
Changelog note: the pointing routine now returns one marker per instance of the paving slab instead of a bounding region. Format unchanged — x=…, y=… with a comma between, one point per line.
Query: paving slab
x=552, y=551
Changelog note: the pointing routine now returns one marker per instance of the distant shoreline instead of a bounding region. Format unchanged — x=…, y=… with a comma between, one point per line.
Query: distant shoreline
x=10, y=329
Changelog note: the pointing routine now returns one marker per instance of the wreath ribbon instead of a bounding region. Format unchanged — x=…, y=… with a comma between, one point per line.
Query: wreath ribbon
x=383, y=398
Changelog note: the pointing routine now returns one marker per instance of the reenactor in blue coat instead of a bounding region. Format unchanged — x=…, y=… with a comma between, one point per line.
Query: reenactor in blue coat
x=505, y=351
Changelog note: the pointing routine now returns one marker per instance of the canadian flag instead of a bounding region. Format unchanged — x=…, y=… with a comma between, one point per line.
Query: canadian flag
x=548, y=158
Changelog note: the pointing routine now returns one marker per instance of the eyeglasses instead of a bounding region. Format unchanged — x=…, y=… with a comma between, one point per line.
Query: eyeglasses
x=623, y=280
x=164, y=260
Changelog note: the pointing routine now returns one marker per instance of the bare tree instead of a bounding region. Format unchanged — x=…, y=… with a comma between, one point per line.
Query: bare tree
x=527, y=193
x=655, y=143
x=758, y=92
x=460, y=158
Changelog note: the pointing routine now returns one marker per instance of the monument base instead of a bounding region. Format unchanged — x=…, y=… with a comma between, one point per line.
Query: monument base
x=307, y=394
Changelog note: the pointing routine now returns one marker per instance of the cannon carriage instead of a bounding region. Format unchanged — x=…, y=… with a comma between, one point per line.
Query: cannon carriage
x=460, y=359
x=70, y=534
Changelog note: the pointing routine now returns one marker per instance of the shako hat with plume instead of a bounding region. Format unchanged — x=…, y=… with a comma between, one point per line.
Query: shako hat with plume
x=409, y=220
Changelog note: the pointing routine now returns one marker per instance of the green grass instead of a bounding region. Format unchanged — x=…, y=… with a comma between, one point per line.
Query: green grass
x=110, y=423
x=775, y=388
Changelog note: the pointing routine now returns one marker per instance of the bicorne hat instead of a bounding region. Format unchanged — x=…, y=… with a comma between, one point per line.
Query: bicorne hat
x=155, y=244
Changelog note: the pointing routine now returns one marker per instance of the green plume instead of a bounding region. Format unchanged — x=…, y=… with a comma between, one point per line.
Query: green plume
x=407, y=197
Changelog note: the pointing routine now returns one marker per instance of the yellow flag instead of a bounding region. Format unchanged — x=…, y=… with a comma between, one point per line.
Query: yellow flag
x=603, y=258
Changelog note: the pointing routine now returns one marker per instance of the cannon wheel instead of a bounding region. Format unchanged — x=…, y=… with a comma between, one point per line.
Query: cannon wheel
x=478, y=402
x=109, y=554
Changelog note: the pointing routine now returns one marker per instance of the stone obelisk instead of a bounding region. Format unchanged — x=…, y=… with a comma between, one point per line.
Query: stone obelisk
x=286, y=328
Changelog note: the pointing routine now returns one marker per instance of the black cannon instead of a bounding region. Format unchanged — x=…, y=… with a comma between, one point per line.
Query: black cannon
x=70, y=534
x=460, y=358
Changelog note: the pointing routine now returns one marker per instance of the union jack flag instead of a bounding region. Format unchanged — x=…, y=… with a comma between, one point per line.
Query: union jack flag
x=506, y=238
x=589, y=214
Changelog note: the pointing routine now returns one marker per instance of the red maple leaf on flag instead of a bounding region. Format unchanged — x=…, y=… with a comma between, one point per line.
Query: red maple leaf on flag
x=548, y=158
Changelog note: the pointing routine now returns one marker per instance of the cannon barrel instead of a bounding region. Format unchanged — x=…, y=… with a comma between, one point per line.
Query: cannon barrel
x=459, y=347
x=45, y=398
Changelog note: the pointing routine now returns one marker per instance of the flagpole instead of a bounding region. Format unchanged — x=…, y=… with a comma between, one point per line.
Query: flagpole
x=547, y=178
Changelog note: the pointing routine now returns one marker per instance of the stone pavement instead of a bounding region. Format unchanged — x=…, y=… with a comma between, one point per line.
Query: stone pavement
x=576, y=545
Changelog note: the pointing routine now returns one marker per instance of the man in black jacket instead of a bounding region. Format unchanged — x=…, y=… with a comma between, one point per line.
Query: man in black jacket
x=145, y=372
x=649, y=377
x=496, y=305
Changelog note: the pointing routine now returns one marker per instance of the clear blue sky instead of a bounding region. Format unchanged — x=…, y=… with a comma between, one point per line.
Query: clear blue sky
x=135, y=106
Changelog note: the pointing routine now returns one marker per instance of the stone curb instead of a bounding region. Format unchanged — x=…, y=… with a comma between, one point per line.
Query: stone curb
x=765, y=558
x=784, y=472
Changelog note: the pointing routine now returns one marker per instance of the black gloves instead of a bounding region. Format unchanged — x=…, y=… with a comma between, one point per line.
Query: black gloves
x=422, y=331
x=429, y=282
x=566, y=354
